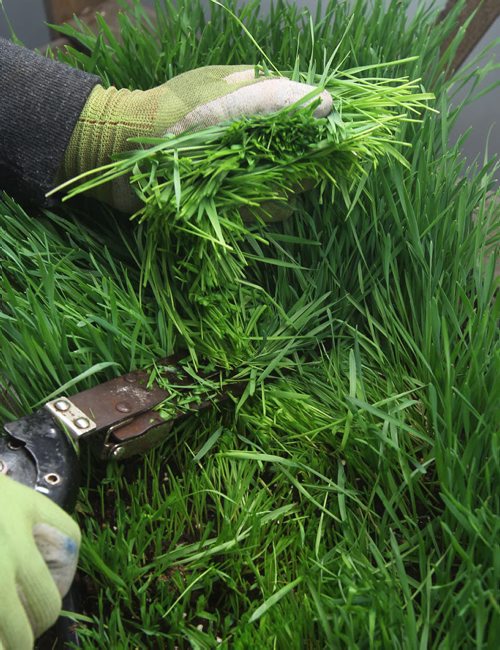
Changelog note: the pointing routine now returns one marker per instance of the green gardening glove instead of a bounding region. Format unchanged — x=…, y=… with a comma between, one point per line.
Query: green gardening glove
x=39, y=546
x=191, y=101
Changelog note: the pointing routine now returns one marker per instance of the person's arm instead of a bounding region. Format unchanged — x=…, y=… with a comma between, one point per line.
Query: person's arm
x=57, y=122
x=40, y=103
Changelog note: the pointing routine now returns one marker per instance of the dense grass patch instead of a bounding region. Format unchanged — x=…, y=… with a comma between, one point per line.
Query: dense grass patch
x=349, y=498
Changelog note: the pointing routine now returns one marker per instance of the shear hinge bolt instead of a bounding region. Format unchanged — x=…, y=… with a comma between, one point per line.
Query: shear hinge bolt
x=62, y=405
x=123, y=407
x=82, y=423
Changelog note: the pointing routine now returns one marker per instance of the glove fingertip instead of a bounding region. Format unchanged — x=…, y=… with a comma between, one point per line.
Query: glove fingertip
x=60, y=553
x=326, y=105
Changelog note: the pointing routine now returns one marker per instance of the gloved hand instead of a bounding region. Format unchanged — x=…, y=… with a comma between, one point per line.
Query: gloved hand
x=39, y=546
x=192, y=100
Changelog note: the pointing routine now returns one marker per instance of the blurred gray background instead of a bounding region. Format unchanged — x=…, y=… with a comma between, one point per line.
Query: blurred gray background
x=27, y=19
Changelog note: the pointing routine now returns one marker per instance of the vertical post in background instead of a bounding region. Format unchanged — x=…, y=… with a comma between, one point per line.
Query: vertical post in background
x=59, y=11
x=486, y=12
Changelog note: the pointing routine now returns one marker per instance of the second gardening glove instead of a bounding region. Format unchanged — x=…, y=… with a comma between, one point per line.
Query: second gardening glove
x=39, y=546
x=191, y=101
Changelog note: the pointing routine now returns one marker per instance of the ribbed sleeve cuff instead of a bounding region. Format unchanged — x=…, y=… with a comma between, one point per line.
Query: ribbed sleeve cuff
x=40, y=102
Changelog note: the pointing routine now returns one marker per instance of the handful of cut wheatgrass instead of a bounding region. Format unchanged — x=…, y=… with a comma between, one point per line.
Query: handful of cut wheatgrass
x=205, y=195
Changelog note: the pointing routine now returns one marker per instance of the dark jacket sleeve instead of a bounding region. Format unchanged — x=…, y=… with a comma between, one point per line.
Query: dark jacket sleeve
x=40, y=102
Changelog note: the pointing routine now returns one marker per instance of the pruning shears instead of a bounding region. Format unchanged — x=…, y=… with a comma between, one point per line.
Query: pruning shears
x=120, y=420
x=117, y=417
